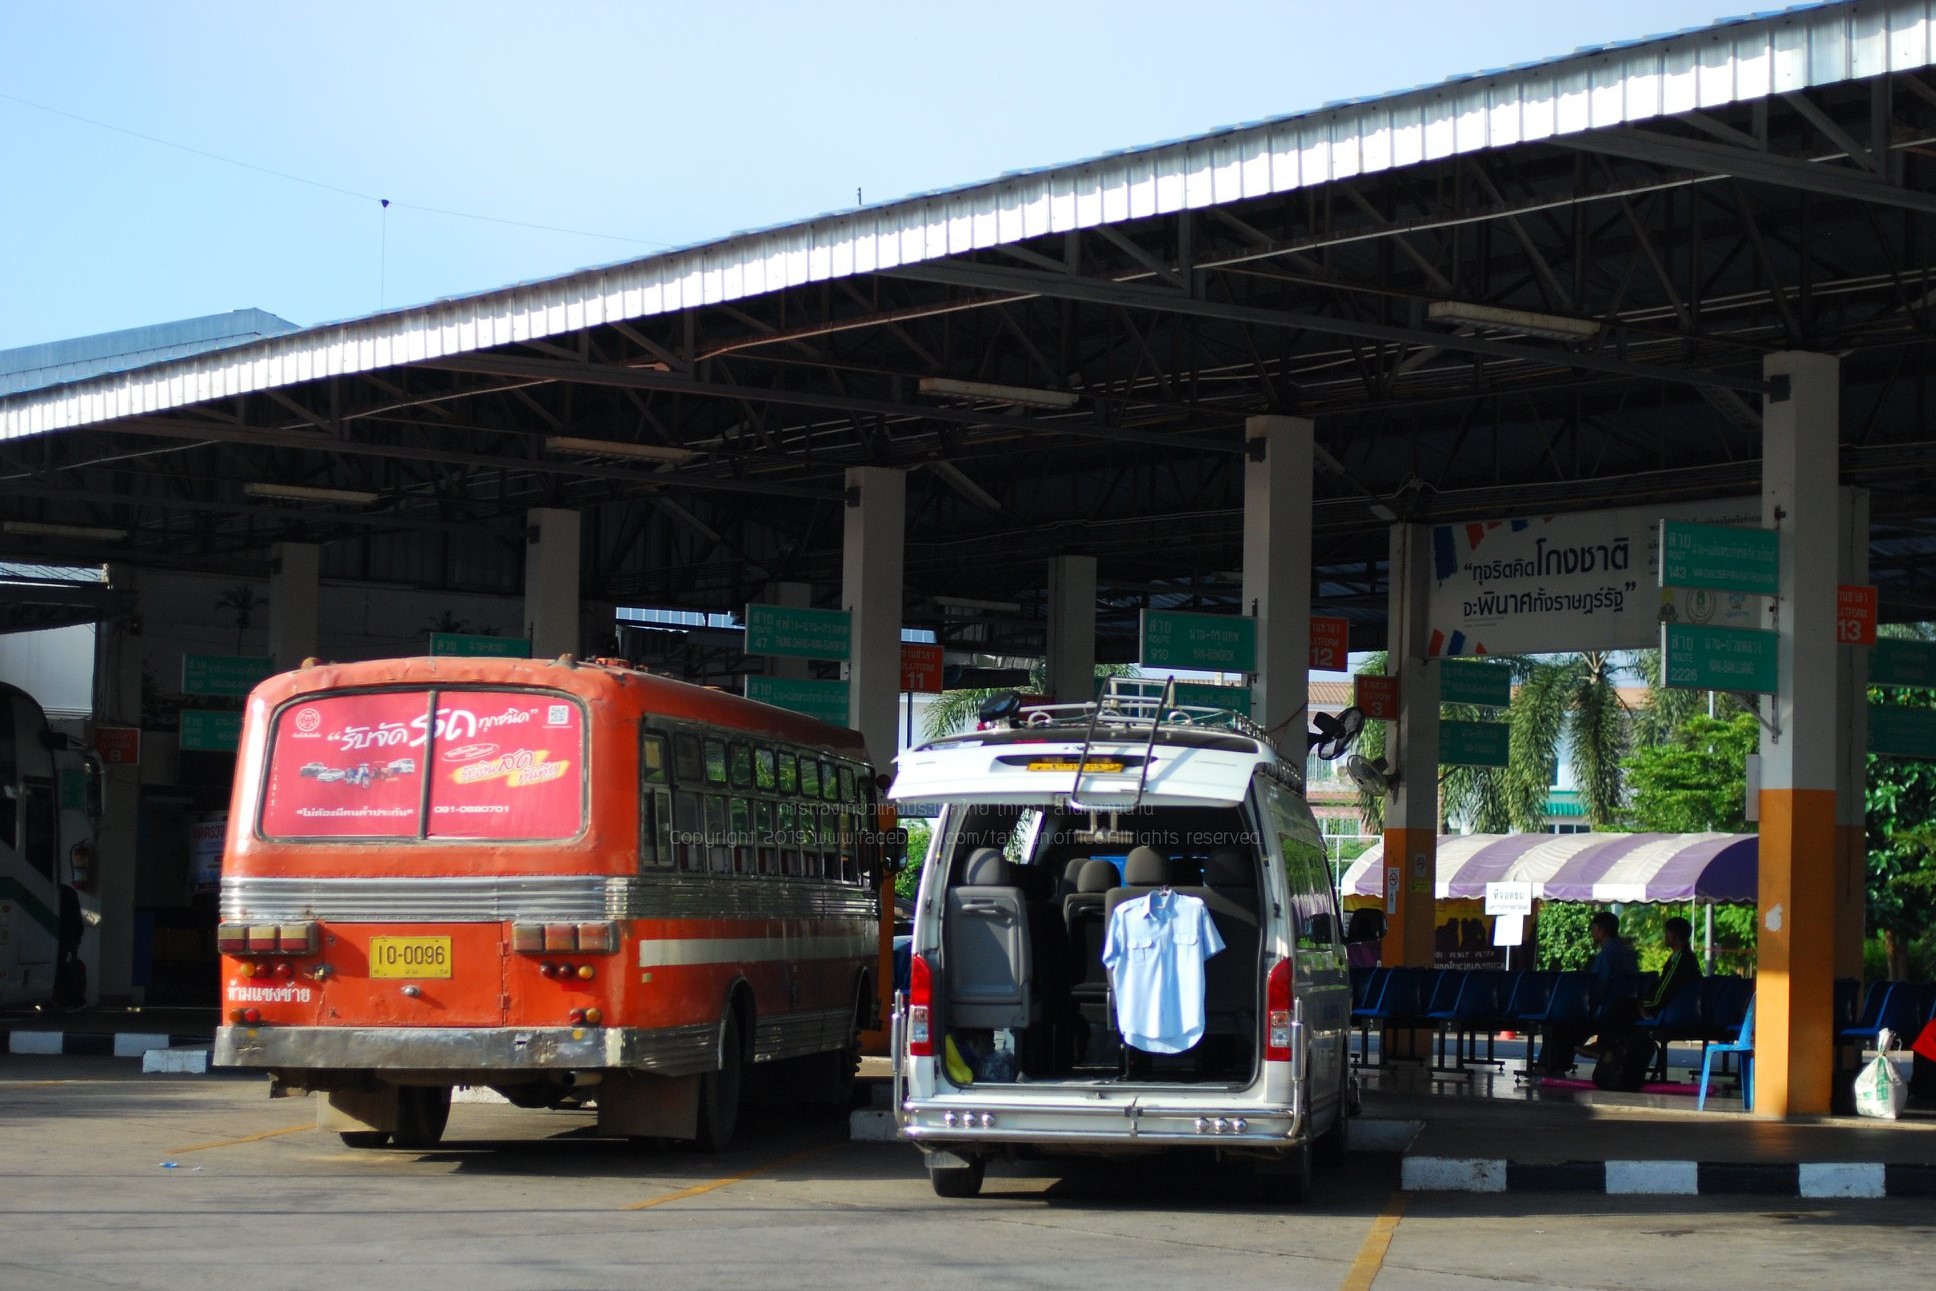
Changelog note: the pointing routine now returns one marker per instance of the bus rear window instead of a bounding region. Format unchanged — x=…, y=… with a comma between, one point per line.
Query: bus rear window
x=423, y=764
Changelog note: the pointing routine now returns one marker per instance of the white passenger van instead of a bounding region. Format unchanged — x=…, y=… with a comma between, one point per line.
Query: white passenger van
x=1066, y=835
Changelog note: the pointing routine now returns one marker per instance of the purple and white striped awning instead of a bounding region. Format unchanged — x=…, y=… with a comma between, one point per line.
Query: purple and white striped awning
x=1583, y=867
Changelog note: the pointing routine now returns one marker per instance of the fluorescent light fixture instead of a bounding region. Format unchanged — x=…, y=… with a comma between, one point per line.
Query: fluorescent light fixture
x=1006, y=394
x=311, y=493
x=1555, y=327
x=619, y=448
x=966, y=603
x=41, y=529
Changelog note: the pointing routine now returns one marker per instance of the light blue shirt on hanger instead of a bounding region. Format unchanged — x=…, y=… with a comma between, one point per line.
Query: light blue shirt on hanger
x=1154, y=949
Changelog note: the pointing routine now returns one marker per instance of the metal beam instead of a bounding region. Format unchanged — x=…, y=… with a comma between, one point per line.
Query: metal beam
x=959, y=273
x=632, y=378
x=1763, y=168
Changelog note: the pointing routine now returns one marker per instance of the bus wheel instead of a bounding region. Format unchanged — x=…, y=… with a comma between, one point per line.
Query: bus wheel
x=958, y=1181
x=719, y=1093
x=422, y=1113
x=364, y=1138
x=833, y=1085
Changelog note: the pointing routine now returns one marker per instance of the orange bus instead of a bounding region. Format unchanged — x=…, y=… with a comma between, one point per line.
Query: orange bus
x=564, y=881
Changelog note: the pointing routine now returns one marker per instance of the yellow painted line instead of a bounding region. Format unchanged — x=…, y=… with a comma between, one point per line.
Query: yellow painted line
x=247, y=1138
x=1371, y=1256
x=700, y=1188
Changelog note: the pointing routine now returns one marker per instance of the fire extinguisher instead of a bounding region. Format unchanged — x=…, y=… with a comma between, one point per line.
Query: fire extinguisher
x=80, y=865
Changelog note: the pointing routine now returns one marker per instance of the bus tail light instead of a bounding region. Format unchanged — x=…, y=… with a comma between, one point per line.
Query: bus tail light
x=268, y=938
x=1277, y=1012
x=550, y=938
x=920, y=1018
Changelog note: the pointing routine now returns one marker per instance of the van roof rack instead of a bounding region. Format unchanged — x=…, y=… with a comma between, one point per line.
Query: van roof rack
x=1138, y=703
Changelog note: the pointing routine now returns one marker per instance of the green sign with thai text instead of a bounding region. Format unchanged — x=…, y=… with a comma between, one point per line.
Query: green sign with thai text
x=1702, y=658
x=1192, y=694
x=1485, y=684
x=1211, y=642
x=1894, y=662
x=798, y=633
x=223, y=674
x=826, y=700
x=471, y=644
x=206, y=731
x=1475, y=744
x=1723, y=558
x=1902, y=732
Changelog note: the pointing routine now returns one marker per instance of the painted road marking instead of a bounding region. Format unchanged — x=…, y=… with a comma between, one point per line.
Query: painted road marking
x=1371, y=1256
x=699, y=1188
x=247, y=1138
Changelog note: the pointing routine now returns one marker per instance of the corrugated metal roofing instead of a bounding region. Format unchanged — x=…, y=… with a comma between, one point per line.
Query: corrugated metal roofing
x=1613, y=85
x=33, y=367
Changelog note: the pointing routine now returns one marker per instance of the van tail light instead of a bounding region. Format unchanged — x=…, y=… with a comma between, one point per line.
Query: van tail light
x=920, y=1017
x=1277, y=1013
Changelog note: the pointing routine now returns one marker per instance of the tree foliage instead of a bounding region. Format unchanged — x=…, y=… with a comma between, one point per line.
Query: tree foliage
x=1900, y=829
x=1694, y=780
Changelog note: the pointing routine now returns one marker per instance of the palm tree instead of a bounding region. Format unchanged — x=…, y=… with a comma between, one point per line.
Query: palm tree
x=241, y=601
x=957, y=708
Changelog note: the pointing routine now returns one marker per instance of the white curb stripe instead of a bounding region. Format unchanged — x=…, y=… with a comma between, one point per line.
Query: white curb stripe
x=870, y=1125
x=133, y=1044
x=174, y=1061
x=1654, y=1178
x=1451, y=1174
x=1842, y=1179
x=45, y=1042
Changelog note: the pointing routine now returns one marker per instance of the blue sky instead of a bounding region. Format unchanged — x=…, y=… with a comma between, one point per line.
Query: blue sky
x=657, y=124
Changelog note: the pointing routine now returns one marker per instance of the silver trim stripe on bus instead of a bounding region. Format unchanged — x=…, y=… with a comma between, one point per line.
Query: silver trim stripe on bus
x=574, y=898
x=686, y=952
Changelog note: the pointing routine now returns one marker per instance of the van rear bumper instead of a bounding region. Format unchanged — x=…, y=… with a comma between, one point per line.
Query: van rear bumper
x=946, y=1122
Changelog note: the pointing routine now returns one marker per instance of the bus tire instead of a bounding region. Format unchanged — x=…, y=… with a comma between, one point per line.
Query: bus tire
x=422, y=1113
x=364, y=1138
x=958, y=1182
x=835, y=1070
x=719, y=1092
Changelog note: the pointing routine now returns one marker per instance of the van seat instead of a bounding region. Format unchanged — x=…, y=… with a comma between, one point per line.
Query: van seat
x=987, y=944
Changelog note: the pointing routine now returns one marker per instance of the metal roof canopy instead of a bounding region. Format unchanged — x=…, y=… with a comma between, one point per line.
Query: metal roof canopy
x=1697, y=200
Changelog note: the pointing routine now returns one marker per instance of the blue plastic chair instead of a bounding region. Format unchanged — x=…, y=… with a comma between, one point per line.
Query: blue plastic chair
x=1569, y=1004
x=1897, y=1010
x=1742, y=1044
x=1475, y=1007
x=1402, y=1001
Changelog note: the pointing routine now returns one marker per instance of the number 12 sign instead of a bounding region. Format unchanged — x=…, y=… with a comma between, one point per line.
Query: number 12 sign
x=1330, y=643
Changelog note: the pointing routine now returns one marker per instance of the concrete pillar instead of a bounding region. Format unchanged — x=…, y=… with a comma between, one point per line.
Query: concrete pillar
x=551, y=582
x=1277, y=569
x=117, y=674
x=295, y=592
x=1794, y=1049
x=870, y=588
x=1072, y=629
x=794, y=596
x=1412, y=748
x=1852, y=761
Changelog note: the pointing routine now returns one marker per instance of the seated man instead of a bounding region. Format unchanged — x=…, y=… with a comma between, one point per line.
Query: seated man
x=1679, y=972
x=1612, y=961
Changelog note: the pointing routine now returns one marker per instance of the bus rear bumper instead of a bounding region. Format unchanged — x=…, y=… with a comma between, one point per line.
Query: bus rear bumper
x=673, y=1051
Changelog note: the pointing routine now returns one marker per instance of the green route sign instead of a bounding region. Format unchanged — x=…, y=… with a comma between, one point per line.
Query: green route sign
x=799, y=633
x=1485, y=684
x=209, y=731
x=1474, y=744
x=1902, y=732
x=224, y=674
x=464, y=643
x=1212, y=642
x=1693, y=657
x=1894, y=662
x=1723, y=558
x=1191, y=694
x=826, y=700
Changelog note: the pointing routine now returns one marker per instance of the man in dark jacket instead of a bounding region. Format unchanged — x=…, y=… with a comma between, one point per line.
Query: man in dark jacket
x=1680, y=971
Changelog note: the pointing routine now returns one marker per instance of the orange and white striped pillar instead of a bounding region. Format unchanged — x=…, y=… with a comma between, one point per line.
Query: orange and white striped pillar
x=1801, y=500
x=1412, y=748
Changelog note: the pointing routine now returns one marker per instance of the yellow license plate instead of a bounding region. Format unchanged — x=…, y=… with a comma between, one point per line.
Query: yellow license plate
x=410, y=957
x=1044, y=764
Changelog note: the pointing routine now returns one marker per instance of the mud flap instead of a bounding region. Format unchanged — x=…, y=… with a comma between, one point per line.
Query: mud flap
x=635, y=1105
x=358, y=1110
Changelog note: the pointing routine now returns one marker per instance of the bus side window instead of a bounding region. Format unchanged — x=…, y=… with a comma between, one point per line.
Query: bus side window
x=690, y=828
x=809, y=778
x=686, y=763
x=652, y=759
x=715, y=761
x=846, y=784
x=742, y=823
x=739, y=759
x=763, y=830
x=655, y=820
x=719, y=850
x=763, y=769
x=789, y=773
x=789, y=839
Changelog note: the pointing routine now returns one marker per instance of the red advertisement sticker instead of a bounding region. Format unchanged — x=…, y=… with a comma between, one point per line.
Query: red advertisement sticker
x=501, y=765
